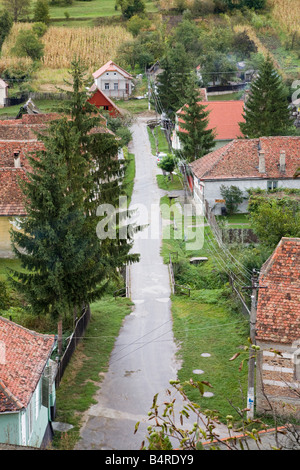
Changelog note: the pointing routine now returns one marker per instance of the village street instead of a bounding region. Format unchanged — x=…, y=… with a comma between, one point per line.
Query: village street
x=143, y=360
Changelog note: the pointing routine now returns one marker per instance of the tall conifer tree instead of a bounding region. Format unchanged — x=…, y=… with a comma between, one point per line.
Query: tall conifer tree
x=266, y=110
x=195, y=136
x=63, y=264
x=67, y=263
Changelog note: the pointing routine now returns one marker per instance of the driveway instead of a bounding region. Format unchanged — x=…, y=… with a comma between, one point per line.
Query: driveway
x=143, y=360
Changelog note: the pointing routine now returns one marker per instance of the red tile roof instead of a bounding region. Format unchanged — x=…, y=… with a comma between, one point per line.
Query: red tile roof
x=111, y=66
x=20, y=131
x=224, y=117
x=278, y=307
x=25, y=148
x=240, y=159
x=12, y=202
x=23, y=357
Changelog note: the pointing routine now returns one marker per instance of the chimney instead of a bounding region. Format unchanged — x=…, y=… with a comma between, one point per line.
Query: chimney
x=17, y=160
x=282, y=161
x=262, y=162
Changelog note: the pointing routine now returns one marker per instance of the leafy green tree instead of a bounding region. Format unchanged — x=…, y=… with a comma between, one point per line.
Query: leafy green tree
x=41, y=12
x=216, y=67
x=266, y=110
x=130, y=8
x=28, y=45
x=168, y=164
x=39, y=29
x=136, y=23
x=18, y=9
x=233, y=197
x=274, y=218
x=195, y=136
x=6, y=23
x=223, y=5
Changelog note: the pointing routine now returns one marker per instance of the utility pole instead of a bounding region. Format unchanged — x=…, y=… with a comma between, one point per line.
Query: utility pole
x=149, y=91
x=252, y=357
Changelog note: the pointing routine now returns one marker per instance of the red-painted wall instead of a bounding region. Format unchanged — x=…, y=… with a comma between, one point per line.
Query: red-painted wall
x=100, y=100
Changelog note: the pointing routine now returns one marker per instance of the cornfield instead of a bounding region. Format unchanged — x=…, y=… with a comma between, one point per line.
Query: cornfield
x=95, y=46
x=287, y=14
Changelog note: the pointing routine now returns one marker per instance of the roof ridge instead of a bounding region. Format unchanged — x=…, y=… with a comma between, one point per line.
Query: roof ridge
x=21, y=327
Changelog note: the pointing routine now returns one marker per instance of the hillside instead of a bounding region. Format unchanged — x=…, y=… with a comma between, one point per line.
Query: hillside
x=97, y=31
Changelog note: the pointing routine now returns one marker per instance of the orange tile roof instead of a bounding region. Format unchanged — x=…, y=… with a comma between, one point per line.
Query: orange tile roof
x=23, y=357
x=12, y=201
x=27, y=147
x=240, y=159
x=278, y=306
x=224, y=117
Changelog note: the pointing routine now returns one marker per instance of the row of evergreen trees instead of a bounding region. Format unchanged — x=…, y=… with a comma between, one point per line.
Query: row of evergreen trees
x=65, y=264
x=266, y=110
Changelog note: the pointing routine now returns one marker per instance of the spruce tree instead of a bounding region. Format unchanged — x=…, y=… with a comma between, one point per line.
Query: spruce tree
x=62, y=262
x=173, y=82
x=66, y=263
x=103, y=172
x=195, y=136
x=266, y=110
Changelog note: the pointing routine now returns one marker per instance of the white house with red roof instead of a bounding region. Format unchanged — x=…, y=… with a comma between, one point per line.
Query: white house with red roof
x=3, y=93
x=27, y=386
x=264, y=163
x=113, y=80
x=224, y=118
x=278, y=331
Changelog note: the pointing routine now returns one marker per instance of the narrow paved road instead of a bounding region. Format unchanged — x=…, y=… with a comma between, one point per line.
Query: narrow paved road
x=143, y=360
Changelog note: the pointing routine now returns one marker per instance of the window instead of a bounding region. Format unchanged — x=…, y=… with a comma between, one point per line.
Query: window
x=116, y=86
x=106, y=86
x=115, y=73
x=107, y=73
x=105, y=108
x=272, y=184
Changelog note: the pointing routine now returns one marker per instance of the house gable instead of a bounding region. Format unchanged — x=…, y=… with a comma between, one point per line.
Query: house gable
x=278, y=308
x=241, y=158
x=100, y=100
x=24, y=357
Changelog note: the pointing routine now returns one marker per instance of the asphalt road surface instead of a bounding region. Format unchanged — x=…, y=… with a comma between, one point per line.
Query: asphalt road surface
x=143, y=360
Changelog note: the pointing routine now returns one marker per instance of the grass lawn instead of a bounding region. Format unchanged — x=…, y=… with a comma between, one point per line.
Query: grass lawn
x=158, y=140
x=46, y=106
x=208, y=321
x=164, y=182
x=133, y=106
x=90, y=9
x=88, y=365
x=234, y=220
x=225, y=97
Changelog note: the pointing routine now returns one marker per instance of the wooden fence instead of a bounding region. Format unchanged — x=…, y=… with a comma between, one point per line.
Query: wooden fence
x=79, y=330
